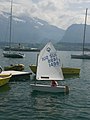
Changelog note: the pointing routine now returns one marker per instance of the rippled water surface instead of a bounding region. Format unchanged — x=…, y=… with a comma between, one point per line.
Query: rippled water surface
x=18, y=103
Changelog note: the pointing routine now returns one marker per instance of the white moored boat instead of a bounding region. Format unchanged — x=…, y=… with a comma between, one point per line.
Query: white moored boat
x=48, y=68
x=83, y=55
x=11, y=54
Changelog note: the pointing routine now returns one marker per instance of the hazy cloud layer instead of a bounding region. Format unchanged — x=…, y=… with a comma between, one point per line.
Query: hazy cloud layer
x=61, y=13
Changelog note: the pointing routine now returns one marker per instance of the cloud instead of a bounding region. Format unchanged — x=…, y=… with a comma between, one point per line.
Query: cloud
x=61, y=13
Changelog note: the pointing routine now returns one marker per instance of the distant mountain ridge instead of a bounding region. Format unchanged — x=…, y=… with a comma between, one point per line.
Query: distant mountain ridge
x=29, y=30
x=33, y=30
x=75, y=33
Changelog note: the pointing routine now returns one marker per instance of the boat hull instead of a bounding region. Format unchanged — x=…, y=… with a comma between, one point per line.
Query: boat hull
x=13, y=55
x=17, y=67
x=4, y=79
x=17, y=75
x=49, y=88
x=33, y=68
x=70, y=71
x=66, y=70
x=80, y=56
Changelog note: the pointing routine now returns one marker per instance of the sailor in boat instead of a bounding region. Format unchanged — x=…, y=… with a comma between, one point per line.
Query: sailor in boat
x=54, y=83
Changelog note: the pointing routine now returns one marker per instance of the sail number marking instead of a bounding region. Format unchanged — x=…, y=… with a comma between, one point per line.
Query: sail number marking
x=52, y=60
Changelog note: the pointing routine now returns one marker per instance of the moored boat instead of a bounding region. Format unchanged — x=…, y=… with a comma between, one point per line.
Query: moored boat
x=4, y=79
x=17, y=67
x=17, y=75
x=11, y=54
x=66, y=70
x=83, y=55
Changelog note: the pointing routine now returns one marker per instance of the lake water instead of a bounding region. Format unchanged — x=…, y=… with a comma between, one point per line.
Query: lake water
x=18, y=103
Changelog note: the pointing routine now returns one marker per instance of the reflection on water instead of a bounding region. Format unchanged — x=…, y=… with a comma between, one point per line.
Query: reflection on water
x=47, y=105
x=4, y=88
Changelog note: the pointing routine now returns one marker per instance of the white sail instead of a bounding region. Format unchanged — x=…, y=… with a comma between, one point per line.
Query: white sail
x=48, y=67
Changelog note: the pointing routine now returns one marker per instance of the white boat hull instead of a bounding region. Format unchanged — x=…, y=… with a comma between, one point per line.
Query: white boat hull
x=85, y=56
x=13, y=55
x=49, y=88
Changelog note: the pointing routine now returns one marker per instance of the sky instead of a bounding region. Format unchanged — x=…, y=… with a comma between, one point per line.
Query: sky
x=61, y=13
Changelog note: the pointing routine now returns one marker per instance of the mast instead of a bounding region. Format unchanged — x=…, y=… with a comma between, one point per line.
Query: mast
x=10, y=36
x=84, y=30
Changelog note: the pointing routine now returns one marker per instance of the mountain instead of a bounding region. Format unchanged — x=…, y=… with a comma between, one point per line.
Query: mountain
x=29, y=30
x=74, y=34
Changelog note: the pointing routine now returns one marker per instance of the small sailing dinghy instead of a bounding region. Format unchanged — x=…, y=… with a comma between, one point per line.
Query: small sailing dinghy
x=48, y=68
